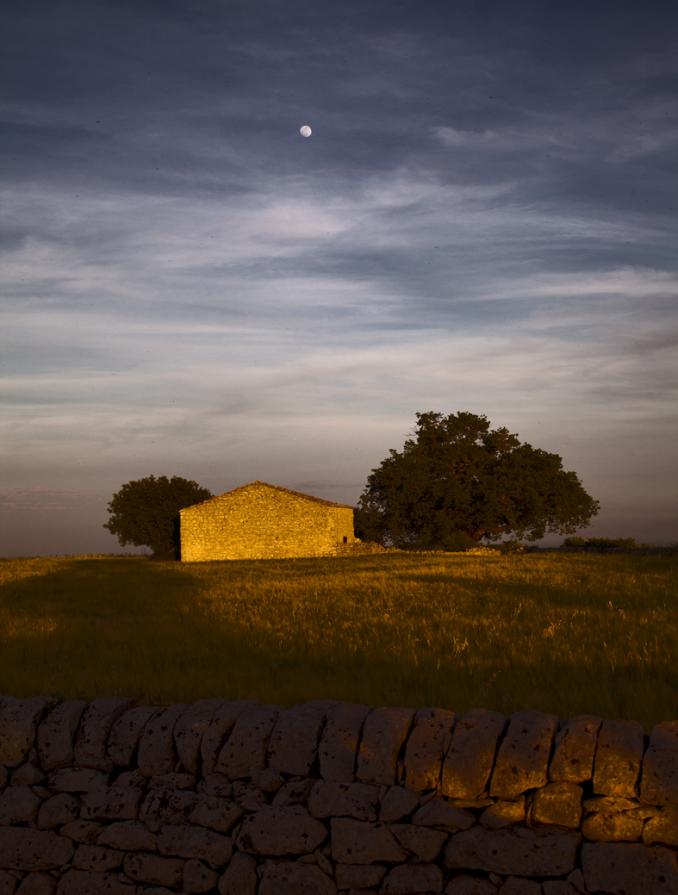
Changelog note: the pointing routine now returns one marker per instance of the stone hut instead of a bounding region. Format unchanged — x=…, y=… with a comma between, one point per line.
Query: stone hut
x=261, y=521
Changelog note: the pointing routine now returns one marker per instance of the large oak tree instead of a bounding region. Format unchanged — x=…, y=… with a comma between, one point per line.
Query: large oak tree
x=457, y=482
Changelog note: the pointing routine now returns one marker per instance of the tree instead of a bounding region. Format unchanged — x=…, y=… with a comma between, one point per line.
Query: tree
x=145, y=512
x=458, y=482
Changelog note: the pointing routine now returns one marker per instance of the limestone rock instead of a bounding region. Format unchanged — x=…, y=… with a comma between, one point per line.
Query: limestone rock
x=128, y=835
x=120, y=801
x=24, y=849
x=18, y=724
x=397, y=803
x=281, y=831
x=97, y=857
x=18, y=804
x=198, y=877
x=245, y=749
x=166, y=805
x=56, y=734
x=338, y=747
x=618, y=757
x=221, y=724
x=80, y=780
x=558, y=887
x=359, y=876
x=126, y=731
x=523, y=755
x=663, y=827
x=8, y=883
x=518, y=885
x=215, y=813
x=91, y=741
x=659, y=785
x=470, y=885
x=86, y=882
x=159, y=871
x=357, y=842
x=515, y=851
x=358, y=800
x=293, y=878
x=503, y=814
x=190, y=729
x=294, y=792
x=293, y=745
x=36, y=884
x=156, y=744
x=27, y=774
x=614, y=818
x=175, y=779
x=86, y=831
x=558, y=804
x=629, y=869
x=240, y=877
x=427, y=745
x=575, y=746
x=439, y=813
x=413, y=879
x=419, y=842
x=469, y=760
x=58, y=810
x=384, y=733
x=195, y=842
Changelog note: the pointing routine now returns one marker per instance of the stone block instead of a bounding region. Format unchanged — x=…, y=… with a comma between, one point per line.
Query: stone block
x=120, y=801
x=123, y=740
x=398, y=802
x=97, y=857
x=251, y=798
x=614, y=818
x=358, y=800
x=195, y=842
x=293, y=878
x=91, y=741
x=156, y=753
x=558, y=887
x=358, y=842
x=58, y=810
x=470, y=758
x=338, y=747
x=515, y=851
x=618, y=756
x=359, y=876
x=629, y=869
x=18, y=725
x=18, y=805
x=575, y=746
x=518, y=885
x=154, y=869
x=215, y=813
x=87, y=882
x=240, y=877
x=190, y=729
x=56, y=734
x=427, y=745
x=293, y=745
x=503, y=814
x=522, y=759
x=222, y=723
x=384, y=732
x=439, y=813
x=281, y=831
x=8, y=883
x=470, y=885
x=659, y=783
x=662, y=827
x=558, y=804
x=87, y=831
x=77, y=780
x=25, y=849
x=413, y=879
x=128, y=835
x=420, y=843
x=198, y=877
x=245, y=749
x=36, y=884
x=166, y=805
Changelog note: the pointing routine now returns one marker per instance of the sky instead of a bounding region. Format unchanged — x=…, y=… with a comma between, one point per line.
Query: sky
x=484, y=219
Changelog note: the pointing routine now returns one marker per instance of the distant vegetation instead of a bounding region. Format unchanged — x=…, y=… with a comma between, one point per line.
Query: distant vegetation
x=561, y=632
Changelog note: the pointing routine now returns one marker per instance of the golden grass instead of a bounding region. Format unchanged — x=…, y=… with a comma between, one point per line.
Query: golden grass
x=562, y=633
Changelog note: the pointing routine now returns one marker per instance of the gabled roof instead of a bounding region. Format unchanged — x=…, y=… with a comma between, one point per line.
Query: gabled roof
x=327, y=503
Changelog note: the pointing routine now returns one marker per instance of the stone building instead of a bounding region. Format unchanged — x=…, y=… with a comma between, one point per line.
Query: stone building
x=261, y=521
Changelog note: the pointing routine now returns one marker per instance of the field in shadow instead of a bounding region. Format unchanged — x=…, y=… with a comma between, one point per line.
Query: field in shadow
x=564, y=634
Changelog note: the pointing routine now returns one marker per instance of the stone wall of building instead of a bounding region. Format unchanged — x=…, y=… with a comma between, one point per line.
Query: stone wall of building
x=260, y=521
x=237, y=798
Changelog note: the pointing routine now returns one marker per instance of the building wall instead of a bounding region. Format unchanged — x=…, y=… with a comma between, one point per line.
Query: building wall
x=223, y=797
x=259, y=521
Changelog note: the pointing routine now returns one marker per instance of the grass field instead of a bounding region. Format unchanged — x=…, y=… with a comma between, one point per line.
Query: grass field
x=562, y=633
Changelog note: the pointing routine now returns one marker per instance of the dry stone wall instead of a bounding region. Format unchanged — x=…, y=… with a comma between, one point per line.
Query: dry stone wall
x=328, y=798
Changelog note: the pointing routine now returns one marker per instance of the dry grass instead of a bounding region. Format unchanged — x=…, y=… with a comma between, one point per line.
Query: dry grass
x=561, y=633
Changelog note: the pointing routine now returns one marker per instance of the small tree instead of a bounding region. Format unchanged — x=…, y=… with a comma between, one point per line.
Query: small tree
x=145, y=512
x=458, y=482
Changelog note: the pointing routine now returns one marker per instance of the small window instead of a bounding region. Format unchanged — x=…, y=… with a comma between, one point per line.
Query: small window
x=345, y=540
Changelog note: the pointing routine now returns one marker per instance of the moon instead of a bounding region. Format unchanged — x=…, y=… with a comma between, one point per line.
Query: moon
x=305, y=130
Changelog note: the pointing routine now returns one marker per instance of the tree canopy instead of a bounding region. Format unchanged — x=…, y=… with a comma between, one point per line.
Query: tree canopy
x=457, y=482
x=145, y=512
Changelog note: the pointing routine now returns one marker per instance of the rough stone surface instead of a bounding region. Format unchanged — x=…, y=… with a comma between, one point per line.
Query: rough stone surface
x=58, y=810
x=659, y=784
x=470, y=885
x=469, y=760
x=91, y=742
x=281, y=831
x=240, y=877
x=18, y=723
x=292, y=878
x=120, y=801
x=427, y=745
x=56, y=734
x=419, y=842
x=8, y=883
x=503, y=814
x=36, y=884
x=575, y=746
x=662, y=827
x=222, y=723
x=156, y=744
x=293, y=745
x=87, y=831
x=128, y=835
x=96, y=857
x=614, y=818
x=126, y=731
x=359, y=876
x=398, y=803
x=198, y=877
x=77, y=780
x=86, y=882
x=439, y=813
x=518, y=885
x=155, y=869
x=245, y=749
x=357, y=842
x=216, y=813
x=166, y=805
x=195, y=842
x=189, y=730
x=629, y=869
x=24, y=849
x=338, y=748
x=523, y=755
x=515, y=851
x=18, y=804
x=384, y=733
x=358, y=800
x=618, y=756
x=412, y=879
x=558, y=804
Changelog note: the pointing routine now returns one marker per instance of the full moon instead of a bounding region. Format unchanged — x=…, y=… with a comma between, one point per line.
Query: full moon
x=305, y=131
